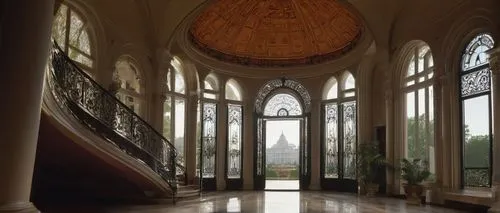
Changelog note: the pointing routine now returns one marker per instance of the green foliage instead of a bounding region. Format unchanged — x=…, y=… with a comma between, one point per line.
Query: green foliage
x=418, y=138
x=415, y=171
x=477, y=151
x=294, y=174
x=271, y=173
x=369, y=160
x=476, y=155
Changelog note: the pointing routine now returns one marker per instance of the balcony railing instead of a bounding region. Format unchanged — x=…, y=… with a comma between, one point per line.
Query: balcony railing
x=103, y=113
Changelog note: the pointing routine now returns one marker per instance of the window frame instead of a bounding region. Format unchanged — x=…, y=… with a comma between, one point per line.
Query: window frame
x=170, y=93
x=85, y=27
x=342, y=98
x=428, y=73
x=237, y=103
x=461, y=101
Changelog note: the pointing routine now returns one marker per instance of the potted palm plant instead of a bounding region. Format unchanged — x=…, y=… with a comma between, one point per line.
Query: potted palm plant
x=369, y=162
x=414, y=172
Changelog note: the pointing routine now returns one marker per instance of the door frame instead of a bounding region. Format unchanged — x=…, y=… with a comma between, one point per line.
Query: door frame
x=302, y=161
x=267, y=91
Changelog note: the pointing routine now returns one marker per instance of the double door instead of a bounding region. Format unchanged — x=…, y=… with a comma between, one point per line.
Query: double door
x=338, y=146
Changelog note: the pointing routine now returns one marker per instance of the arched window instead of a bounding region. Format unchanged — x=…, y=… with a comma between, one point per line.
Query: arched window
x=233, y=90
x=174, y=106
x=127, y=76
x=234, y=129
x=418, y=93
x=70, y=31
x=210, y=87
x=475, y=100
x=282, y=105
x=209, y=127
x=339, y=129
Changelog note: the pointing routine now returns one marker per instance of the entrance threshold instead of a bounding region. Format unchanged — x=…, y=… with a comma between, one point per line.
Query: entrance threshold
x=282, y=185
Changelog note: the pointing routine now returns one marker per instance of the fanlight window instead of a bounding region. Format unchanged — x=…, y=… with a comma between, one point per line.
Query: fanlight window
x=210, y=87
x=283, y=105
x=349, y=82
x=232, y=91
x=71, y=32
x=180, y=85
x=331, y=89
x=475, y=54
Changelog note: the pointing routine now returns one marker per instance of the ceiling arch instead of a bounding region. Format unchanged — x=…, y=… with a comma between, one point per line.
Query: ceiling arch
x=275, y=33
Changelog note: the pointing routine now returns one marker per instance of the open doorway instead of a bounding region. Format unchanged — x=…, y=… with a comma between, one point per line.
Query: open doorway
x=282, y=154
x=282, y=109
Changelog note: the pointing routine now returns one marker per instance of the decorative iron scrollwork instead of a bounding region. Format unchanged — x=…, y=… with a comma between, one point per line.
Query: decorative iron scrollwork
x=331, y=143
x=209, y=139
x=349, y=127
x=476, y=82
x=80, y=95
x=234, y=141
x=282, y=83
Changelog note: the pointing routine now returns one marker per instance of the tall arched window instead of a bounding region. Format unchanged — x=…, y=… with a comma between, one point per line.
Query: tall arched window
x=209, y=129
x=71, y=32
x=418, y=93
x=475, y=99
x=174, y=106
x=127, y=76
x=234, y=129
x=339, y=131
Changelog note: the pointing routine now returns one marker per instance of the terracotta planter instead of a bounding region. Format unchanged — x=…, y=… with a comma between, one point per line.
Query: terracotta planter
x=371, y=189
x=413, y=194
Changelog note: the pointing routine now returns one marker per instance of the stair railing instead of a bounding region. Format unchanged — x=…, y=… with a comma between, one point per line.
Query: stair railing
x=102, y=112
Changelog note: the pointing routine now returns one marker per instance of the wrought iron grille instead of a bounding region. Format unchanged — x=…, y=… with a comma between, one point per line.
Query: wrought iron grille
x=103, y=113
x=477, y=177
x=234, y=141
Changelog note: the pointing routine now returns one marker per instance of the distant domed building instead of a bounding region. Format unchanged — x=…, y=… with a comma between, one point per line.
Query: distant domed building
x=282, y=153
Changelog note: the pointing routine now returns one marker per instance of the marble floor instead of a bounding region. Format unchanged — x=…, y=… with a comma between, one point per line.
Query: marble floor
x=282, y=185
x=280, y=202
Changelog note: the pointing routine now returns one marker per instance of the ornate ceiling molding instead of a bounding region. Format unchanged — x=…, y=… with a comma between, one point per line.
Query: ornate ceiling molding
x=182, y=42
x=277, y=33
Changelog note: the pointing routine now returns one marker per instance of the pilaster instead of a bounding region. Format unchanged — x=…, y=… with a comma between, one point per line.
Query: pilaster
x=495, y=82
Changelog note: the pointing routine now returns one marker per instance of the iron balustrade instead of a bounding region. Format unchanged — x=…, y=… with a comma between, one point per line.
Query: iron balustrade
x=103, y=113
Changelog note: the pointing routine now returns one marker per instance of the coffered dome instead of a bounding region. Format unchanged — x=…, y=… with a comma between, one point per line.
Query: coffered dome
x=275, y=33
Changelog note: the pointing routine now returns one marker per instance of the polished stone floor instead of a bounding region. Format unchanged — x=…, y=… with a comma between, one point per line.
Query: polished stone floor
x=282, y=185
x=284, y=202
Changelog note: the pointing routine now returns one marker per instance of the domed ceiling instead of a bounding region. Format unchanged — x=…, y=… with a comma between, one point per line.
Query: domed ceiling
x=275, y=33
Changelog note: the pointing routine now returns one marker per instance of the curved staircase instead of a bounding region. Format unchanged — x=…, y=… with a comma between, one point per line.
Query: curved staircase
x=94, y=148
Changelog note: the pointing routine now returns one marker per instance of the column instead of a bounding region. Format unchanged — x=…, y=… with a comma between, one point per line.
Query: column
x=220, y=159
x=25, y=42
x=248, y=142
x=495, y=91
x=191, y=138
x=392, y=187
x=439, y=157
x=315, y=146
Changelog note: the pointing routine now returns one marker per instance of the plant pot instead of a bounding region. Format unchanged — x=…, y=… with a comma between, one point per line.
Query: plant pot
x=371, y=189
x=413, y=194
